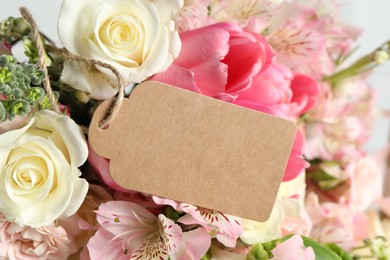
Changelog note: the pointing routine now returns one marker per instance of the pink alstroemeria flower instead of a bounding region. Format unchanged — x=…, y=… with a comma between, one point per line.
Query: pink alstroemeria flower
x=129, y=231
x=227, y=228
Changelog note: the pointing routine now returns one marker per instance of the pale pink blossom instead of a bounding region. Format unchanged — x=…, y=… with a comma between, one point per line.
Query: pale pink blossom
x=365, y=181
x=302, y=49
x=296, y=220
x=308, y=37
x=129, y=231
x=226, y=228
x=293, y=248
x=83, y=225
x=48, y=242
x=252, y=15
x=194, y=14
x=341, y=121
x=336, y=223
x=16, y=123
x=340, y=37
x=218, y=251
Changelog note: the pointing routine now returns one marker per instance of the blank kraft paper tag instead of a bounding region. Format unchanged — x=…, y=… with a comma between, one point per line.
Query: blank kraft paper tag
x=180, y=145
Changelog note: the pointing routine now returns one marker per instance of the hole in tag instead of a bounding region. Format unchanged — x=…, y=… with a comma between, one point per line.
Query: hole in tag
x=103, y=128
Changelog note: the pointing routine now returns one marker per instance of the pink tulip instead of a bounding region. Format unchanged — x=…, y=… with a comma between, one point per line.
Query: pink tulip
x=220, y=66
x=278, y=88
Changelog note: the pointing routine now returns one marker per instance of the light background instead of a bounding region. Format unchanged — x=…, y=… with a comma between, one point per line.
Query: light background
x=371, y=15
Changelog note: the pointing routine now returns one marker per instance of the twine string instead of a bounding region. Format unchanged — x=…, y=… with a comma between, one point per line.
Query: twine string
x=117, y=101
x=36, y=38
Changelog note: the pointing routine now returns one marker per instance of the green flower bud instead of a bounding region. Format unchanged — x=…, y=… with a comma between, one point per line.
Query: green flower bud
x=6, y=59
x=17, y=93
x=14, y=28
x=29, y=68
x=31, y=51
x=257, y=253
x=37, y=77
x=5, y=89
x=3, y=113
x=378, y=247
x=171, y=213
x=35, y=95
x=45, y=103
x=5, y=75
x=19, y=107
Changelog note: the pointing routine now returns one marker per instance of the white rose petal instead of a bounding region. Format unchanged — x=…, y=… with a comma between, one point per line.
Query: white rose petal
x=137, y=37
x=39, y=178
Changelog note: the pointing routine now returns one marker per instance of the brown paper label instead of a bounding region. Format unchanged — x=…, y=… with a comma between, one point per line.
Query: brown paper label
x=191, y=148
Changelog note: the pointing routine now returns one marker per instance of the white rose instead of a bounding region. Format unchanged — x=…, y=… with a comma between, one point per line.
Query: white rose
x=138, y=37
x=39, y=170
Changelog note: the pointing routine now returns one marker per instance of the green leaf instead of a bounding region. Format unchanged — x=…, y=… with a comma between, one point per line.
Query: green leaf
x=339, y=251
x=321, y=252
x=320, y=175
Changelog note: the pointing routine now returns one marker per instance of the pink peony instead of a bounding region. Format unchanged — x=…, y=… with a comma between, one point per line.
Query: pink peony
x=129, y=231
x=48, y=242
x=221, y=66
x=293, y=248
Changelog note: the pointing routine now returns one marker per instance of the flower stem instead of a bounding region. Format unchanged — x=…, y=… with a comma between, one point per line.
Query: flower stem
x=363, y=65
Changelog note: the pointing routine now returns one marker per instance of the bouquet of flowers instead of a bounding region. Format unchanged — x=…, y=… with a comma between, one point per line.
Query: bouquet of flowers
x=284, y=58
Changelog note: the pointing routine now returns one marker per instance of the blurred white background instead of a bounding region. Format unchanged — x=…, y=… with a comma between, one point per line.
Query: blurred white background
x=371, y=15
